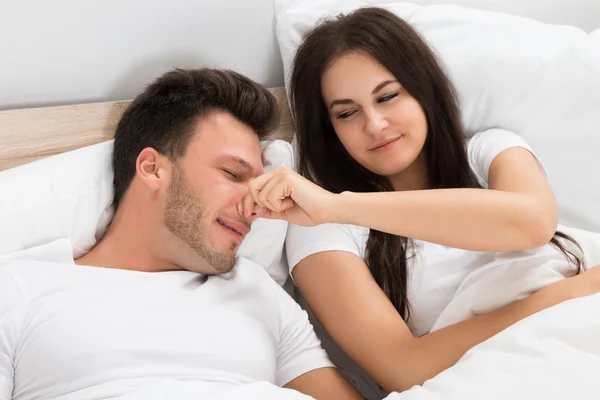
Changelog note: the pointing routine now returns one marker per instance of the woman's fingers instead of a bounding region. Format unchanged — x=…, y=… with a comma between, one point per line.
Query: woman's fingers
x=256, y=185
x=277, y=193
x=270, y=191
x=248, y=206
x=286, y=204
x=268, y=194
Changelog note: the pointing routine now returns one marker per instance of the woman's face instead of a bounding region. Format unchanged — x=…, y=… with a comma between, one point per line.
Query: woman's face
x=382, y=126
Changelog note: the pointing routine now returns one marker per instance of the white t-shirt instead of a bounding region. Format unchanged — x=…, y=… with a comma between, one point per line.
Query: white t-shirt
x=437, y=273
x=77, y=332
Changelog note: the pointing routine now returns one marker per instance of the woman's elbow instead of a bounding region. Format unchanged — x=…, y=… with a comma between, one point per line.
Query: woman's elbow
x=542, y=225
x=414, y=368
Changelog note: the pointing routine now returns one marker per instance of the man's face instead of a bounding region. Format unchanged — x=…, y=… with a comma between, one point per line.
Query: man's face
x=207, y=187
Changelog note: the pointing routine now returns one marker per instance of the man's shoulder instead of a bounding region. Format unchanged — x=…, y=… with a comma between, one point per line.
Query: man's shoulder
x=248, y=269
x=58, y=251
x=34, y=271
x=22, y=279
x=249, y=272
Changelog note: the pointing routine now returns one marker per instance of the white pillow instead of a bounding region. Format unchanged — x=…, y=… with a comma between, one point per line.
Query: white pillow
x=539, y=80
x=69, y=196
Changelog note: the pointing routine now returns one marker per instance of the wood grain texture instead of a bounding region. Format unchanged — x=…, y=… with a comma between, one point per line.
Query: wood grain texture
x=30, y=134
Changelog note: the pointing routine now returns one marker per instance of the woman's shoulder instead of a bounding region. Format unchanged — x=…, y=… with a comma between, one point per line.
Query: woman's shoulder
x=484, y=146
x=490, y=142
x=303, y=241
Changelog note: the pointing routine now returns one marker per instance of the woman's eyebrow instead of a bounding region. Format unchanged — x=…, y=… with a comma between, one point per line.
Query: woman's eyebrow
x=382, y=85
x=350, y=101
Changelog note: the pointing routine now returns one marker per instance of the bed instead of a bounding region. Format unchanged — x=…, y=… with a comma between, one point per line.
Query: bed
x=551, y=355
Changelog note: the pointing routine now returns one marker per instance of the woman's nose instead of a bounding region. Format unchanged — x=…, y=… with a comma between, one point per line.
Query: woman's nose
x=376, y=122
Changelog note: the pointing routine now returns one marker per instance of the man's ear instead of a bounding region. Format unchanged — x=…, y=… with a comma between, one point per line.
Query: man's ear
x=151, y=169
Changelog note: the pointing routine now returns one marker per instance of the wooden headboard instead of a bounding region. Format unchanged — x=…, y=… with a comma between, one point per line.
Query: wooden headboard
x=29, y=134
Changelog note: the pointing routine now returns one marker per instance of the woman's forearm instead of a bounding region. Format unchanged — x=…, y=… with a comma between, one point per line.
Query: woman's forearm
x=433, y=353
x=471, y=219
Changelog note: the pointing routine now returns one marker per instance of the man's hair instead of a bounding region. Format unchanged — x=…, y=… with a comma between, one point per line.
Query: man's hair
x=164, y=115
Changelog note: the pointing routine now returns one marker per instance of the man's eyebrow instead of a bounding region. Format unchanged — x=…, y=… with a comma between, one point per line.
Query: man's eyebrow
x=245, y=164
x=242, y=162
x=349, y=101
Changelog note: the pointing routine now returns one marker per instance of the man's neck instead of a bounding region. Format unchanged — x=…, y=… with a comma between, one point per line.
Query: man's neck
x=129, y=243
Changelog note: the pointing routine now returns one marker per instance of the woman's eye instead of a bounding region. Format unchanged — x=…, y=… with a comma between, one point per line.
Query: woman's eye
x=387, y=97
x=346, y=114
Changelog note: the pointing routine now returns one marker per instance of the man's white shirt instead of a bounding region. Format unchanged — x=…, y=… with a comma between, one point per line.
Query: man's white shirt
x=78, y=332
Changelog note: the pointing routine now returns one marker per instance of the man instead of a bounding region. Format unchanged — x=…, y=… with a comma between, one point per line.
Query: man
x=157, y=306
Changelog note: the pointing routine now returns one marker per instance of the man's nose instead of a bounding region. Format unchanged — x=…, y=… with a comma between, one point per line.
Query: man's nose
x=253, y=216
x=248, y=210
x=245, y=204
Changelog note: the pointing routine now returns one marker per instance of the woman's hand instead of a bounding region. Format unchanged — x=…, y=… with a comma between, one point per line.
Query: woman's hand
x=284, y=194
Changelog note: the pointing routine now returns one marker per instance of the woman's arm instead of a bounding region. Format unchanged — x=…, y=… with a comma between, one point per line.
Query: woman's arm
x=518, y=212
x=348, y=303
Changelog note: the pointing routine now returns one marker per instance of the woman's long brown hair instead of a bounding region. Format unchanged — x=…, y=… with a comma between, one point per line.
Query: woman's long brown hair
x=323, y=159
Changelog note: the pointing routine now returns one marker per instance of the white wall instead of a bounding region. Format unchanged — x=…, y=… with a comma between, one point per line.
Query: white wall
x=64, y=51
x=68, y=51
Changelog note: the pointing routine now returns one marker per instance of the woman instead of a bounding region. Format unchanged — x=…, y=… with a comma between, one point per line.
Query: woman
x=400, y=217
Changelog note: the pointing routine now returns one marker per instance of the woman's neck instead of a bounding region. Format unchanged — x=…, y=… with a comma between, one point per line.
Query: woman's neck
x=415, y=177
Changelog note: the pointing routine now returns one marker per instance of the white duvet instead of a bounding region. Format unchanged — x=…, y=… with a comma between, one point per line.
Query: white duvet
x=552, y=355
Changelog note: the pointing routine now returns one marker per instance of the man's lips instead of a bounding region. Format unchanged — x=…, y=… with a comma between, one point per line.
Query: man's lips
x=239, y=228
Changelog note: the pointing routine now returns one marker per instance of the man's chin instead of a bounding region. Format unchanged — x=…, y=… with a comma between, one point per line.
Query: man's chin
x=226, y=267
x=221, y=263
